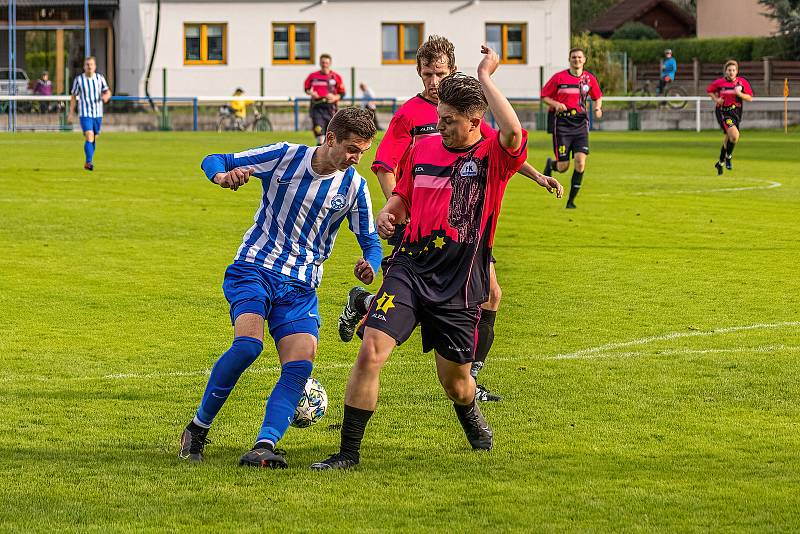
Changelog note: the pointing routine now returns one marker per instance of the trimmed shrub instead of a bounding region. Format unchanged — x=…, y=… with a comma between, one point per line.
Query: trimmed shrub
x=706, y=50
x=635, y=31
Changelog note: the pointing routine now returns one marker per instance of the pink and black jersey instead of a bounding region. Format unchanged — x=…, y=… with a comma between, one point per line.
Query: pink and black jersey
x=572, y=91
x=726, y=89
x=415, y=119
x=325, y=84
x=453, y=197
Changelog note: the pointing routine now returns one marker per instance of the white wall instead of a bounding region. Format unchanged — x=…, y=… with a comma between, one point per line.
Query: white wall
x=349, y=31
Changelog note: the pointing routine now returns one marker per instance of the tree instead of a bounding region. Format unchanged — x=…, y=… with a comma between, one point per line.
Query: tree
x=787, y=14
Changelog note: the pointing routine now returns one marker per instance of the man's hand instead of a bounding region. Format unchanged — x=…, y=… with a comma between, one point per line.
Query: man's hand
x=551, y=184
x=364, y=272
x=667, y=79
x=71, y=117
x=598, y=112
x=234, y=179
x=106, y=96
x=331, y=98
x=490, y=61
x=385, y=225
x=560, y=107
x=313, y=94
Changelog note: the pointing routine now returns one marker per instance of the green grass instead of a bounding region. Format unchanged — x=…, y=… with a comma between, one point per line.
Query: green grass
x=111, y=312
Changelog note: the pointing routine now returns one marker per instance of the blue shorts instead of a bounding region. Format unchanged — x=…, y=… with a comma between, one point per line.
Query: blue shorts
x=91, y=124
x=288, y=305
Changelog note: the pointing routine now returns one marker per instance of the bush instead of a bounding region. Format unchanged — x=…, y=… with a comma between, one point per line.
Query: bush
x=706, y=50
x=598, y=50
x=635, y=31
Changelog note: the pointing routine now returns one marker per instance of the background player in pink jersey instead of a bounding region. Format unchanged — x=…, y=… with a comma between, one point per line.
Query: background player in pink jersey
x=728, y=93
x=415, y=120
x=450, y=191
x=326, y=88
x=566, y=93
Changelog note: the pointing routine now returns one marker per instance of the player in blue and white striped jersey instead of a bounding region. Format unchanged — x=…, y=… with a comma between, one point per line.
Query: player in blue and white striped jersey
x=307, y=193
x=90, y=90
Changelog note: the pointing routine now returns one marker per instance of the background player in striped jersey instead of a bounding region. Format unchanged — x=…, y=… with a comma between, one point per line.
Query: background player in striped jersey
x=415, y=120
x=566, y=93
x=90, y=89
x=450, y=191
x=308, y=192
x=728, y=93
x=326, y=88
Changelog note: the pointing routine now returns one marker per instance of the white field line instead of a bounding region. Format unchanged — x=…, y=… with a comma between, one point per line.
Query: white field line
x=762, y=349
x=608, y=347
x=768, y=184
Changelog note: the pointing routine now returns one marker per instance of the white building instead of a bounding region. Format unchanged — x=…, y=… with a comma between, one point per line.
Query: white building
x=212, y=47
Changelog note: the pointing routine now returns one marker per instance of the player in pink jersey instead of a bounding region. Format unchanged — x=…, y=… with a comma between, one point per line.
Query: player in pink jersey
x=450, y=191
x=566, y=93
x=728, y=93
x=325, y=88
x=415, y=120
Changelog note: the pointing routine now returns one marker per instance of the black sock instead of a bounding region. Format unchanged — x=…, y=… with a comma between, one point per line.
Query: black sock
x=575, y=186
x=464, y=410
x=485, y=340
x=194, y=427
x=353, y=426
x=361, y=303
x=729, y=148
x=722, y=153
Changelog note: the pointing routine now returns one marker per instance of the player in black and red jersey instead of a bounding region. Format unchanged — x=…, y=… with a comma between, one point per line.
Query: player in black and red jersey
x=415, y=120
x=566, y=93
x=728, y=93
x=450, y=189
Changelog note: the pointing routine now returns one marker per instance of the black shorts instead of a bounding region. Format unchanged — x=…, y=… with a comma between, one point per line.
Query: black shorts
x=321, y=115
x=396, y=310
x=728, y=116
x=568, y=139
x=394, y=241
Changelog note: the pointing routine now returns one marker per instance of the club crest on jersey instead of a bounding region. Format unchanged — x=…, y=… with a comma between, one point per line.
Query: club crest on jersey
x=338, y=202
x=469, y=168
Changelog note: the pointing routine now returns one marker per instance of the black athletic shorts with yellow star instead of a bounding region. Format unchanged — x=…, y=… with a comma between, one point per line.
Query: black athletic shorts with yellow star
x=397, y=310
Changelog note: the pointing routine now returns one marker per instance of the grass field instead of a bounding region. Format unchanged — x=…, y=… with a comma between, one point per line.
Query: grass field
x=647, y=348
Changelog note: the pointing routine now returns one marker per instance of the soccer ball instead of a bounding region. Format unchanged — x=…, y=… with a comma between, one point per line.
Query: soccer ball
x=312, y=406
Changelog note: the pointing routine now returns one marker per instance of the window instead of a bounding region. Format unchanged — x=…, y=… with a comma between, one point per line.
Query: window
x=400, y=42
x=204, y=44
x=508, y=40
x=292, y=43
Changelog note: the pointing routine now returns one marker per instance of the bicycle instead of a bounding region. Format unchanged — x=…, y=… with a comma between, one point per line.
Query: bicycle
x=227, y=121
x=670, y=90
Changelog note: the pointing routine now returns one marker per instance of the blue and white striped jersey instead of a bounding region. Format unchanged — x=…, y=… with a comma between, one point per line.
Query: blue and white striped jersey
x=89, y=92
x=300, y=212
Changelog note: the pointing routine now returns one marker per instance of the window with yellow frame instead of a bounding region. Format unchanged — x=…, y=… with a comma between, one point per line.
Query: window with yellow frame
x=509, y=40
x=292, y=43
x=400, y=41
x=205, y=43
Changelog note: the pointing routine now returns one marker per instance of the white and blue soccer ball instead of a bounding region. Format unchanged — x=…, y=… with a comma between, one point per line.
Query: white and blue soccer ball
x=312, y=406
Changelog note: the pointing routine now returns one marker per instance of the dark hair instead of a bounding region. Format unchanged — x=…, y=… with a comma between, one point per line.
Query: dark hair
x=576, y=49
x=87, y=58
x=352, y=121
x=464, y=93
x=325, y=55
x=433, y=49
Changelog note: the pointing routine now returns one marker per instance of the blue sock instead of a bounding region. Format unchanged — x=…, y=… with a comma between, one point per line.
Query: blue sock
x=224, y=375
x=88, y=149
x=283, y=400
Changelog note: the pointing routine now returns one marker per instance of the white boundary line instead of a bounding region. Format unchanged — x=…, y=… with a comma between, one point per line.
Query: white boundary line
x=770, y=184
x=608, y=347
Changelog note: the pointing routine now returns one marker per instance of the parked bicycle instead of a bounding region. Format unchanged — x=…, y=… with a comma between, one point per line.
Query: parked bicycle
x=671, y=90
x=227, y=121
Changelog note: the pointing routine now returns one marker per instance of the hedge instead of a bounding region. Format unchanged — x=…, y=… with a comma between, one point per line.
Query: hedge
x=706, y=50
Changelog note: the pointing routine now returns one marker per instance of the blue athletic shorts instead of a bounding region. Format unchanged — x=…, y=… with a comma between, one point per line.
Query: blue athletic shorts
x=91, y=124
x=288, y=305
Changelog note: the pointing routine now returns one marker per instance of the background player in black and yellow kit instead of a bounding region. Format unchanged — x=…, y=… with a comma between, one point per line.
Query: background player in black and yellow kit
x=566, y=93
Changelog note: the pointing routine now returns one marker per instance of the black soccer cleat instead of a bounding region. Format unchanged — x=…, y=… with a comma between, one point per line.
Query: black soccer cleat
x=351, y=316
x=718, y=166
x=548, y=167
x=478, y=431
x=264, y=457
x=88, y=166
x=728, y=164
x=193, y=440
x=484, y=395
x=571, y=205
x=334, y=461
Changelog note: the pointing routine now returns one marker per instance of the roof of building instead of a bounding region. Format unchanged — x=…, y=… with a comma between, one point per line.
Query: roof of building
x=630, y=10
